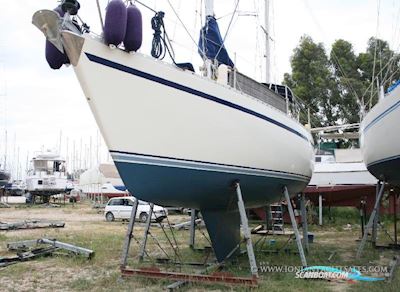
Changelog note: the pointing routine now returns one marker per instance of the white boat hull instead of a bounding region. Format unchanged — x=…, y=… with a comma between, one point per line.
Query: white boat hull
x=335, y=174
x=180, y=139
x=380, y=138
x=43, y=184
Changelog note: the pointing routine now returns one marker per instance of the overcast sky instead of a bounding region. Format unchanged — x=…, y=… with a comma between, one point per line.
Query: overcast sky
x=37, y=103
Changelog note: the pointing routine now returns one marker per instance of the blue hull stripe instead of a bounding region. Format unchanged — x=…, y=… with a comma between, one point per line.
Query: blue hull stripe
x=177, y=86
x=384, y=160
x=201, y=165
x=382, y=115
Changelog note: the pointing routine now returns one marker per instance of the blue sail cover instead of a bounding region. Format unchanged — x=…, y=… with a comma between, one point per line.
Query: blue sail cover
x=211, y=39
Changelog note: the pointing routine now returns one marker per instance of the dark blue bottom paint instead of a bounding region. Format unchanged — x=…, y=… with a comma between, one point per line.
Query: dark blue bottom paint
x=387, y=170
x=223, y=228
x=210, y=192
x=199, y=189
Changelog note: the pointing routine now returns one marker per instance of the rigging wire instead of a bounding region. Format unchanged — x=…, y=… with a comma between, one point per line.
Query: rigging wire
x=389, y=64
x=203, y=36
x=146, y=6
x=336, y=59
x=376, y=45
x=176, y=22
x=184, y=26
x=273, y=42
x=227, y=30
x=258, y=55
x=396, y=32
x=194, y=26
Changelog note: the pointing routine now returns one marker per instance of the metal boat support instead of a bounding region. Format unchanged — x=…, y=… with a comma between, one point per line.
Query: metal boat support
x=26, y=244
x=31, y=224
x=294, y=226
x=381, y=188
x=320, y=210
x=204, y=276
x=395, y=244
x=156, y=273
x=193, y=215
x=376, y=217
x=304, y=221
x=128, y=238
x=246, y=232
x=88, y=253
x=146, y=233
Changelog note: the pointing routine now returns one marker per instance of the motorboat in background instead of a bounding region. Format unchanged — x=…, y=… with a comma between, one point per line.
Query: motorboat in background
x=16, y=188
x=380, y=141
x=340, y=178
x=340, y=168
x=47, y=175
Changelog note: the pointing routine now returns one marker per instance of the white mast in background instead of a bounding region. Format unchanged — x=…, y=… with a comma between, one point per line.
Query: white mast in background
x=267, y=48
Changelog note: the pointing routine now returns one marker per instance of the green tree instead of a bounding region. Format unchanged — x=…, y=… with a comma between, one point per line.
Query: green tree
x=386, y=69
x=334, y=88
x=312, y=81
x=347, y=81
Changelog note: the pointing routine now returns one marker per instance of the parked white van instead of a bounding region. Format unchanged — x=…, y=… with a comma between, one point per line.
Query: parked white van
x=121, y=208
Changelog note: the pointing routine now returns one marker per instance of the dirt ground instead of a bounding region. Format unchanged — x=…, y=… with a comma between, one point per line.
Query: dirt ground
x=86, y=227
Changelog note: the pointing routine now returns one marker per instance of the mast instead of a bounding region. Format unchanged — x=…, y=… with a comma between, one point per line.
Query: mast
x=209, y=7
x=208, y=64
x=267, y=48
x=5, y=150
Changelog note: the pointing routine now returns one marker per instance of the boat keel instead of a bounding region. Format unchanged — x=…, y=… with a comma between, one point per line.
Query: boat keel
x=223, y=226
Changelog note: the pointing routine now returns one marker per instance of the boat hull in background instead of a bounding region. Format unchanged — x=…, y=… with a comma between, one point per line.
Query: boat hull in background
x=4, y=178
x=380, y=138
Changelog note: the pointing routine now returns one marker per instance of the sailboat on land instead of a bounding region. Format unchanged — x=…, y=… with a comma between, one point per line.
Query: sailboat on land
x=379, y=137
x=179, y=138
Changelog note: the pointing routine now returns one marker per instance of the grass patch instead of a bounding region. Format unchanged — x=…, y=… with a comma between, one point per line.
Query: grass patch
x=3, y=237
x=81, y=284
x=68, y=272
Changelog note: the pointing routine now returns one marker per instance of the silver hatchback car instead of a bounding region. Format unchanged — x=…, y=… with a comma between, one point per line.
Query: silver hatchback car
x=121, y=208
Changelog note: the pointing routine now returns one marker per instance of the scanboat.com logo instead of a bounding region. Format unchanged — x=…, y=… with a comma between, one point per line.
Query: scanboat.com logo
x=323, y=272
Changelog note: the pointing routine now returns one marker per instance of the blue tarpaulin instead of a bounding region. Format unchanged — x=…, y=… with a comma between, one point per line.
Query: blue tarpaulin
x=391, y=88
x=211, y=44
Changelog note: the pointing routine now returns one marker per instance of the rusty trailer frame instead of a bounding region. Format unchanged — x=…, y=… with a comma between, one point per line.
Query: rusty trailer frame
x=216, y=277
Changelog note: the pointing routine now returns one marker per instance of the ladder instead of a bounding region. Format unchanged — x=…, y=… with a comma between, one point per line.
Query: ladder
x=276, y=215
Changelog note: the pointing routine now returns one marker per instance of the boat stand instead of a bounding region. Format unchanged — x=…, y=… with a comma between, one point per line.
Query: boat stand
x=363, y=214
x=246, y=232
x=294, y=226
x=211, y=274
x=192, y=228
x=292, y=235
x=395, y=244
x=372, y=222
x=304, y=224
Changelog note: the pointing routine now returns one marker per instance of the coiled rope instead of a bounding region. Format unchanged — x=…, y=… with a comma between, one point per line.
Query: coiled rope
x=161, y=43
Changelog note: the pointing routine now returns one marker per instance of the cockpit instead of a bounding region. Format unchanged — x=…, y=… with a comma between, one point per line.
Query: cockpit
x=49, y=166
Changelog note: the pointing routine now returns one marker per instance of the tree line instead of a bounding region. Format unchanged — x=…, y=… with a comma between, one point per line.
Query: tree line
x=337, y=87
